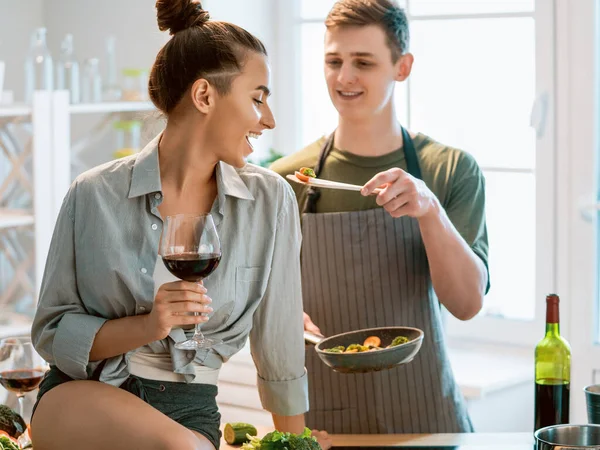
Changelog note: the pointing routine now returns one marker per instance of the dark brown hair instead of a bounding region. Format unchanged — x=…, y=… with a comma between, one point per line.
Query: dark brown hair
x=199, y=48
x=384, y=13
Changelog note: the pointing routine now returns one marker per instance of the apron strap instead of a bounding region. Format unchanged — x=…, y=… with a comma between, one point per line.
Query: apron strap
x=412, y=165
x=412, y=162
x=313, y=194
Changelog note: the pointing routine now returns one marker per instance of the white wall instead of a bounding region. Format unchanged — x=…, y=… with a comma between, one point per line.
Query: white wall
x=18, y=18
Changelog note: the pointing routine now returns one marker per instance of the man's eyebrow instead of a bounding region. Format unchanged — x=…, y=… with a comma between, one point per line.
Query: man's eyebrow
x=265, y=89
x=363, y=54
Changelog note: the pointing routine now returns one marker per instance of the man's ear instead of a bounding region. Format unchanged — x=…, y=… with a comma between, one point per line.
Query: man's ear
x=203, y=95
x=404, y=66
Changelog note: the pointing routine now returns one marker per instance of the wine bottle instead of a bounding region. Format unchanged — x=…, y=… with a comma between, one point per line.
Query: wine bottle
x=552, y=371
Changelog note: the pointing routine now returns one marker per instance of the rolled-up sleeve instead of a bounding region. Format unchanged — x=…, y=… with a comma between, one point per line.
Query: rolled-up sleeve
x=63, y=332
x=277, y=335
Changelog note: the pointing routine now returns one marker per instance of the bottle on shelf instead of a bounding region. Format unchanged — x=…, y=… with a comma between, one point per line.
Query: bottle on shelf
x=111, y=91
x=552, y=371
x=91, y=89
x=67, y=70
x=38, y=65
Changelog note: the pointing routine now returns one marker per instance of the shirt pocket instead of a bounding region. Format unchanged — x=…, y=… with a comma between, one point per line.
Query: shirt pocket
x=250, y=285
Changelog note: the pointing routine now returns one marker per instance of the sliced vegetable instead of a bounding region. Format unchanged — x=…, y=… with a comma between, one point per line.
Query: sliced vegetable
x=305, y=174
x=238, y=432
x=372, y=341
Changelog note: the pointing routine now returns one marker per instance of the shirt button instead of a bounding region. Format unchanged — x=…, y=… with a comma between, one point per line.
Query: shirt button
x=157, y=196
x=143, y=270
x=142, y=309
x=154, y=227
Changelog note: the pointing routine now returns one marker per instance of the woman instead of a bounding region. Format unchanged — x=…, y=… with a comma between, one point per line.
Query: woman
x=388, y=259
x=109, y=313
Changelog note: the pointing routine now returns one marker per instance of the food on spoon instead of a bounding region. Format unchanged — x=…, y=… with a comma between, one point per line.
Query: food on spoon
x=277, y=440
x=305, y=173
x=238, y=432
x=372, y=343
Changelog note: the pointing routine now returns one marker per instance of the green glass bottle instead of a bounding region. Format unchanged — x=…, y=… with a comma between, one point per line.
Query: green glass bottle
x=552, y=371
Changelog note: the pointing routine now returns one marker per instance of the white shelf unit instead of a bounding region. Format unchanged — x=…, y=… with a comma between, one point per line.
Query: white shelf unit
x=52, y=153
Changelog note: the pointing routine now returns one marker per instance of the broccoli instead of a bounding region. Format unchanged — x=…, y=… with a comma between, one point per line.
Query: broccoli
x=307, y=171
x=338, y=349
x=399, y=340
x=11, y=422
x=277, y=440
x=357, y=347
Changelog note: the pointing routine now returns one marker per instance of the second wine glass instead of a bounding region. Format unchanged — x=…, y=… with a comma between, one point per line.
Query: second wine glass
x=191, y=251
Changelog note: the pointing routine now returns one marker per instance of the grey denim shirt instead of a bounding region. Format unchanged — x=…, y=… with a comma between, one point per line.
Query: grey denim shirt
x=102, y=257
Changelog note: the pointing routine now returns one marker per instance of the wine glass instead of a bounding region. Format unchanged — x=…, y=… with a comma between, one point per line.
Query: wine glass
x=21, y=368
x=191, y=250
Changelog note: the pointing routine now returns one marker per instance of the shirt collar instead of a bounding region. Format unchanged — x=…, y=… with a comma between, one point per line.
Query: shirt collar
x=145, y=176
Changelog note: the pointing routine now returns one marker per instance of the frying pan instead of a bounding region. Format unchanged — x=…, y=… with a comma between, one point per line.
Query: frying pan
x=371, y=361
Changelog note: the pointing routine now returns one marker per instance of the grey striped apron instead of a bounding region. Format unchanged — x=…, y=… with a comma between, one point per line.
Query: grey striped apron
x=366, y=269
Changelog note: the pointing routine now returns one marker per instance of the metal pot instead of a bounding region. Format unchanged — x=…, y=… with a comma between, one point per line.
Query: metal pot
x=367, y=361
x=568, y=437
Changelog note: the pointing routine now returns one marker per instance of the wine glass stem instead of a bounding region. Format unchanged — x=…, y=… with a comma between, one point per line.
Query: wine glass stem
x=21, y=400
x=198, y=336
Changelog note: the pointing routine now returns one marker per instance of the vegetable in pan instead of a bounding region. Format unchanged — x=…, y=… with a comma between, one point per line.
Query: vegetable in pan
x=371, y=343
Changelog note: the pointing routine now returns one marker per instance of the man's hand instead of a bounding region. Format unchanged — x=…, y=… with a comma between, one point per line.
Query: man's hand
x=310, y=326
x=402, y=194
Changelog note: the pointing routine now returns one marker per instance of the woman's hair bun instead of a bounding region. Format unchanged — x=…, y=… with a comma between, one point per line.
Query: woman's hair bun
x=178, y=15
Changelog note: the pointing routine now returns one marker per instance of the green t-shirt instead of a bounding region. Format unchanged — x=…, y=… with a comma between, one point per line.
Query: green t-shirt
x=451, y=174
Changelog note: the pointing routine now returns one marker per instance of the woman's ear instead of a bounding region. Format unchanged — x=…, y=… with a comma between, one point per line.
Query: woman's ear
x=203, y=95
x=404, y=66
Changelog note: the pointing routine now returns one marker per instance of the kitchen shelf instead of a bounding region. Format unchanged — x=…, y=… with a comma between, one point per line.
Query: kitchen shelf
x=15, y=218
x=110, y=107
x=15, y=110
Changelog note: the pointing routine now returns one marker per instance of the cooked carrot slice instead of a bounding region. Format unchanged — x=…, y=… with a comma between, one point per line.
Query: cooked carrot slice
x=302, y=177
x=372, y=341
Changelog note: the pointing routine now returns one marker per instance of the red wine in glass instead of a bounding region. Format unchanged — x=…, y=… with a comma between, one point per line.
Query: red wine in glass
x=21, y=380
x=192, y=266
x=21, y=367
x=191, y=250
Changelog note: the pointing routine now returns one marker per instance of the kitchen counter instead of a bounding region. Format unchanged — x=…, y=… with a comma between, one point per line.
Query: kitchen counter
x=461, y=441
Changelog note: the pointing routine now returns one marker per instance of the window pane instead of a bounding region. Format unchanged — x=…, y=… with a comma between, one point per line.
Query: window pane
x=473, y=86
x=511, y=234
x=319, y=117
x=438, y=7
x=315, y=9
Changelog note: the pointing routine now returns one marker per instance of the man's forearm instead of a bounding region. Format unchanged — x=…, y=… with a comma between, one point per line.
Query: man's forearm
x=458, y=275
x=292, y=424
x=119, y=336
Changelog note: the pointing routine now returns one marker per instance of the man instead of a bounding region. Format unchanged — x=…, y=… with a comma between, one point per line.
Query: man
x=388, y=259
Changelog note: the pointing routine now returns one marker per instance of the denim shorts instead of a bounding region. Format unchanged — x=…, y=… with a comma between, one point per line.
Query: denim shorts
x=192, y=405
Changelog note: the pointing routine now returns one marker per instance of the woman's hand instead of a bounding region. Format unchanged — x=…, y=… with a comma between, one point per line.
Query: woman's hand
x=172, y=305
x=402, y=194
x=323, y=439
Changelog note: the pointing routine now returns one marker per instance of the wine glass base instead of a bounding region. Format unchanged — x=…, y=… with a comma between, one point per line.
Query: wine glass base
x=192, y=344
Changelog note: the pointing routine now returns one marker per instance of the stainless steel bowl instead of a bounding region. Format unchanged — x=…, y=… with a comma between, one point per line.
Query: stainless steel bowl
x=568, y=437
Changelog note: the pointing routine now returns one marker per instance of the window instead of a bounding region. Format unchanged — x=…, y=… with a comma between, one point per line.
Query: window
x=477, y=75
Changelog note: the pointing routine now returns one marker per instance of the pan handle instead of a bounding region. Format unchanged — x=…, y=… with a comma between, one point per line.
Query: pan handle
x=312, y=338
